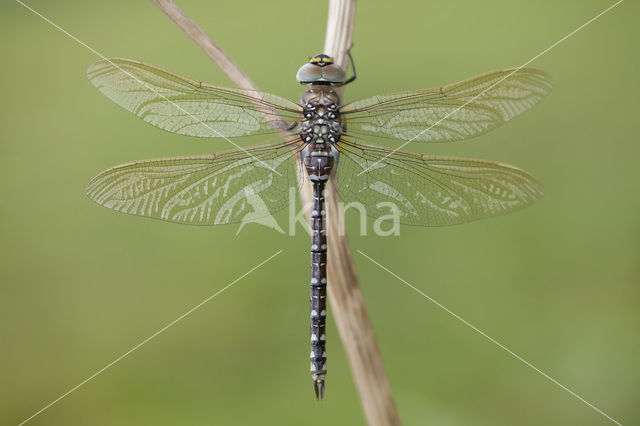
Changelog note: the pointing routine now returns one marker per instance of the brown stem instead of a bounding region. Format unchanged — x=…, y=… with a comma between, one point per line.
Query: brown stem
x=345, y=294
x=346, y=298
x=202, y=40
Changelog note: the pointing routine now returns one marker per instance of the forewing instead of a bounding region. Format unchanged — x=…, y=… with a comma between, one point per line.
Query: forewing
x=458, y=111
x=181, y=105
x=431, y=190
x=203, y=190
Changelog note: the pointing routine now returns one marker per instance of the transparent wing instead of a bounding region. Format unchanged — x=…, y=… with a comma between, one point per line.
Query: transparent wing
x=181, y=105
x=458, y=111
x=430, y=190
x=214, y=189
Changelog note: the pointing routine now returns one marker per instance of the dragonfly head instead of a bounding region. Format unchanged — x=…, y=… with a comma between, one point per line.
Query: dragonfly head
x=321, y=69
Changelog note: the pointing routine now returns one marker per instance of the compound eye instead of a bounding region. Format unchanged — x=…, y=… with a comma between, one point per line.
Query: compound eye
x=333, y=73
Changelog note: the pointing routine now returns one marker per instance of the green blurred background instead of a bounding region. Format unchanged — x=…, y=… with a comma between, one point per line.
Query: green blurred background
x=556, y=283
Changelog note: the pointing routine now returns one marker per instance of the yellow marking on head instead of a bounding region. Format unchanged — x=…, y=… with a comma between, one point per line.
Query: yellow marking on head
x=321, y=60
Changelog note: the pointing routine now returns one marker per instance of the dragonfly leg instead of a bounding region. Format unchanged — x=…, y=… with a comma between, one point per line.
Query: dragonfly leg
x=353, y=67
x=287, y=128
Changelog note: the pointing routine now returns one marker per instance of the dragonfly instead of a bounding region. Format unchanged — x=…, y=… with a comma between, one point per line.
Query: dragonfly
x=331, y=139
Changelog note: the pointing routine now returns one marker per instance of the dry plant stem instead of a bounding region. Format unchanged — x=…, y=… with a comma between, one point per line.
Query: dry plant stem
x=202, y=40
x=346, y=298
x=345, y=295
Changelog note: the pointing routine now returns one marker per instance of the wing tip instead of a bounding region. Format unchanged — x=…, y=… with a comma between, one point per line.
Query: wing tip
x=114, y=62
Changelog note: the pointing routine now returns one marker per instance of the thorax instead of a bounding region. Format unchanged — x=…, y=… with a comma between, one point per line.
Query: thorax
x=320, y=130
